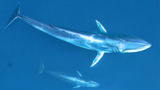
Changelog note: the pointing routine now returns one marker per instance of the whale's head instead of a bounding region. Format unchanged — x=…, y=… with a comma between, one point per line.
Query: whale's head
x=133, y=44
x=93, y=84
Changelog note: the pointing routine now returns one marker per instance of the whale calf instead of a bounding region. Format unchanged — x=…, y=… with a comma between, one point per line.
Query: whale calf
x=78, y=81
x=102, y=42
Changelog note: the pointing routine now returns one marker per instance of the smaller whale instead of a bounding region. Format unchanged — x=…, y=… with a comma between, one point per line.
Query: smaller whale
x=78, y=81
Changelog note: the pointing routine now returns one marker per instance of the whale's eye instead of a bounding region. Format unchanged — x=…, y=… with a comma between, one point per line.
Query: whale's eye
x=122, y=46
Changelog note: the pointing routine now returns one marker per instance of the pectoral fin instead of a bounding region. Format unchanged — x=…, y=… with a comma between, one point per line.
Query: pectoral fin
x=78, y=86
x=97, y=58
x=100, y=26
x=79, y=74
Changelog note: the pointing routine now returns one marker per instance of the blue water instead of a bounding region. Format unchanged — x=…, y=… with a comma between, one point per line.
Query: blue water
x=23, y=48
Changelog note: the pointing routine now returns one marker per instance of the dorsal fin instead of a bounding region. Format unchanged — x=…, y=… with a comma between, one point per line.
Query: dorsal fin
x=51, y=25
x=100, y=26
x=79, y=74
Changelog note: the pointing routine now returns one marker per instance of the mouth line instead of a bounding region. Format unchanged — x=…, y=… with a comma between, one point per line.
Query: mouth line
x=140, y=49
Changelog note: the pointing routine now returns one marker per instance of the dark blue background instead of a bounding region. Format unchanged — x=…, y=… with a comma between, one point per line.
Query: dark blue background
x=23, y=48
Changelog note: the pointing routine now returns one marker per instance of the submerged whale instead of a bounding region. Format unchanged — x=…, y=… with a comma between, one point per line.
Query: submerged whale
x=78, y=81
x=102, y=42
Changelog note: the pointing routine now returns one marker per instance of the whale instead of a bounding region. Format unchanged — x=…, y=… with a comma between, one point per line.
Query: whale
x=101, y=42
x=77, y=80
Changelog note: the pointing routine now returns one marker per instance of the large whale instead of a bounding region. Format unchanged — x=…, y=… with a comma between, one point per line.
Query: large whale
x=102, y=42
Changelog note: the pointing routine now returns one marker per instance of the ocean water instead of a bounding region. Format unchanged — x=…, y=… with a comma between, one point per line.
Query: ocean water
x=24, y=48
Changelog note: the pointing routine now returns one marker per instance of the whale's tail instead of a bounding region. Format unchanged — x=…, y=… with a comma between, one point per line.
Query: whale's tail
x=42, y=68
x=52, y=73
x=15, y=15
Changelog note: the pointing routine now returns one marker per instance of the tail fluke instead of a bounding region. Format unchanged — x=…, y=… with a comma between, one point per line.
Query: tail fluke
x=42, y=67
x=14, y=16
